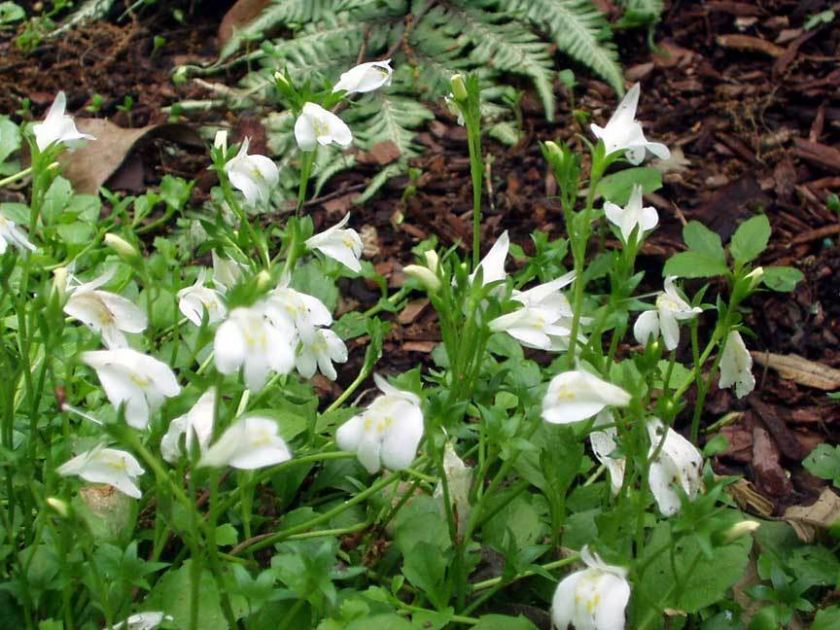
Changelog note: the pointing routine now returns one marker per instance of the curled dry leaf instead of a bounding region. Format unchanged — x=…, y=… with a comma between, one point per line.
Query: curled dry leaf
x=800, y=370
x=806, y=520
x=90, y=166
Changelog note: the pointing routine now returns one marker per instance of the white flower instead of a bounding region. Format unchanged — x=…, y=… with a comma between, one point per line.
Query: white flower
x=104, y=312
x=316, y=125
x=326, y=349
x=678, y=462
x=536, y=328
x=624, y=133
x=633, y=216
x=143, y=621
x=493, y=264
x=671, y=308
x=196, y=424
x=226, y=273
x=459, y=482
x=138, y=380
x=548, y=295
x=545, y=320
x=11, y=234
x=58, y=127
x=247, y=444
x=293, y=311
x=593, y=598
x=195, y=300
x=253, y=175
x=247, y=338
x=106, y=465
x=578, y=395
x=736, y=366
x=604, y=445
x=387, y=433
x=365, y=77
x=343, y=245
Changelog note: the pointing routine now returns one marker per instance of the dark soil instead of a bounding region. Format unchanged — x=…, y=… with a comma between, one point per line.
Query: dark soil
x=747, y=99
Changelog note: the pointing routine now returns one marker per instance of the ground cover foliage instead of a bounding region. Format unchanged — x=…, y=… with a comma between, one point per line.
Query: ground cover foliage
x=515, y=485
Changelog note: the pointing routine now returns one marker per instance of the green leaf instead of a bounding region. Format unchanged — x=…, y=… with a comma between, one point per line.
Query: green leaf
x=701, y=239
x=171, y=595
x=11, y=12
x=782, y=279
x=824, y=462
x=750, y=239
x=226, y=535
x=425, y=567
x=9, y=143
x=706, y=583
x=827, y=619
x=503, y=622
x=693, y=264
x=618, y=186
x=58, y=196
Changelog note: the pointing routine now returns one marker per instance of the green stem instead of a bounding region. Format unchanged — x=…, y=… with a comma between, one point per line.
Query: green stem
x=307, y=161
x=267, y=540
x=11, y=179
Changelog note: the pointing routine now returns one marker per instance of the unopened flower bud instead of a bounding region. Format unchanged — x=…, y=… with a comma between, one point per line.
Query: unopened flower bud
x=432, y=260
x=59, y=285
x=281, y=78
x=755, y=277
x=459, y=87
x=743, y=528
x=59, y=506
x=263, y=280
x=554, y=150
x=122, y=247
x=180, y=75
x=220, y=141
x=425, y=275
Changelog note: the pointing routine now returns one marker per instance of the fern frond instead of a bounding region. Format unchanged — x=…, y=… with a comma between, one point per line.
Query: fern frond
x=390, y=117
x=511, y=47
x=280, y=13
x=578, y=29
x=330, y=44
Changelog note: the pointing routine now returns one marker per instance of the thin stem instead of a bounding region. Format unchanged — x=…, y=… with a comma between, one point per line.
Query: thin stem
x=307, y=161
x=11, y=179
x=266, y=540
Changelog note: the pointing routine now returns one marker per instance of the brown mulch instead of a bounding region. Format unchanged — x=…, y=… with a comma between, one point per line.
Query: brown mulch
x=747, y=99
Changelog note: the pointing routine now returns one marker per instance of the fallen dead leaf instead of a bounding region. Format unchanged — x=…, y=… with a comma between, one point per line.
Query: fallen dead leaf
x=89, y=167
x=800, y=370
x=749, y=499
x=419, y=346
x=806, y=520
x=242, y=13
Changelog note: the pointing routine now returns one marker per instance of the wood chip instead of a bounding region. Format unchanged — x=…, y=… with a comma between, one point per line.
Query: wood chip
x=800, y=370
x=419, y=346
x=750, y=43
x=412, y=311
x=820, y=154
x=770, y=477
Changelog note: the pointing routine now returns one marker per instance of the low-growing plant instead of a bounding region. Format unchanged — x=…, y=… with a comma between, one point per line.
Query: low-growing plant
x=167, y=461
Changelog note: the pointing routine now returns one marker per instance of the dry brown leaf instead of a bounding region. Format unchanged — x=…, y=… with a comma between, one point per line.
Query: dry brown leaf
x=242, y=13
x=800, y=370
x=89, y=167
x=749, y=499
x=807, y=519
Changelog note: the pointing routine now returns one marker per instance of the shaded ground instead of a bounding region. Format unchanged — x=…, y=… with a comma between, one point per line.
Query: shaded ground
x=746, y=98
